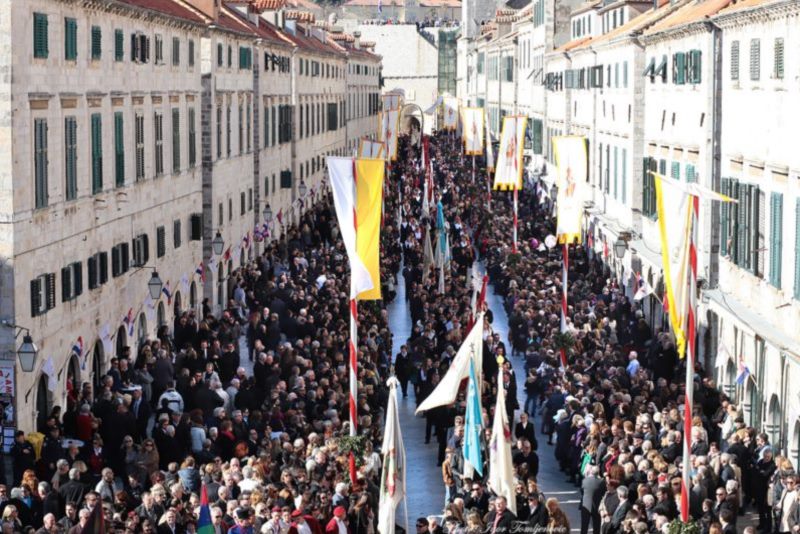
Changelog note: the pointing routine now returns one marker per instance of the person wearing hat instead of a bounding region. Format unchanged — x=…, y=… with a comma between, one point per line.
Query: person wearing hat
x=338, y=524
x=244, y=523
x=304, y=524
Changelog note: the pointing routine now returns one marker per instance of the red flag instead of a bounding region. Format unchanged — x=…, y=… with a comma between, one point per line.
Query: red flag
x=227, y=255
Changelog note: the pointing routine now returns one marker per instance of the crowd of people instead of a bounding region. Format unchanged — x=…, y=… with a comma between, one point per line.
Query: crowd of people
x=614, y=413
x=248, y=405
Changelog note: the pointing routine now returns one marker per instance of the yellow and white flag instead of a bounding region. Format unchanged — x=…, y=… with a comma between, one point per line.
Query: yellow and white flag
x=390, y=121
x=571, y=171
x=508, y=174
x=501, y=467
x=450, y=113
x=472, y=131
x=674, y=206
x=370, y=149
x=357, y=187
x=393, y=471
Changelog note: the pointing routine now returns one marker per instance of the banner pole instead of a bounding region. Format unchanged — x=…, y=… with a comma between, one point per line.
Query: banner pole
x=353, y=354
x=473, y=168
x=515, y=218
x=564, y=280
x=691, y=348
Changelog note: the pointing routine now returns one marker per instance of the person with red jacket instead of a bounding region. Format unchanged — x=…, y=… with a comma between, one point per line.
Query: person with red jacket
x=338, y=524
x=304, y=524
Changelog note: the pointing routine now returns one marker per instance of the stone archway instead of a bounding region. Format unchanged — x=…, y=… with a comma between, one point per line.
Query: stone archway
x=794, y=445
x=176, y=307
x=98, y=361
x=122, y=340
x=773, y=421
x=73, y=378
x=44, y=402
x=142, y=329
x=161, y=315
x=193, y=296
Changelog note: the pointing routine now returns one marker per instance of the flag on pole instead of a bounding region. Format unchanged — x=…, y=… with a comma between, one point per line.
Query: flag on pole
x=201, y=272
x=744, y=372
x=428, y=260
x=204, y=524
x=450, y=113
x=571, y=170
x=643, y=288
x=489, y=149
x=128, y=320
x=508, y=174
x=472, y=423
x=77, y=350
x=390, y=121
x=371, y=149
x=723, y=355
x=393, y=473
x=472, y=133
x=167, y=292
x=447, y=389
x=501, y=467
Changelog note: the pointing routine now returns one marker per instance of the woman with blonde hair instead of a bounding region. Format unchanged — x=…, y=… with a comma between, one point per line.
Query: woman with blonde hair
x=558, y=524
x=475, y=524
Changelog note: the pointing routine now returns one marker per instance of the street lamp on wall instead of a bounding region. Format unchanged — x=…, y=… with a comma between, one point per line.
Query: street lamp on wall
x=217, y=244
x=302, y=189
x=26, y=352
x=621, y=245
x=155, y=285
x=267, y=213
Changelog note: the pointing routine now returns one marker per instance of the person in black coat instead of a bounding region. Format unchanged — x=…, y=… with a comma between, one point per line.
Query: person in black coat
x=74, y=490
x=538, y=516
x=23, y=455
x=592, y=491
x=501, y=519
x=52, y=503
x=525, y=429
x=403, y=368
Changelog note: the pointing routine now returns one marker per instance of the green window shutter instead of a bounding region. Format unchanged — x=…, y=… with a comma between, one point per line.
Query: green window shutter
x=679, y=68
x=158, y=126
x=70, y=157
x=695, y=66
x=119, y=45
x=778, y=68
x=97, y=42
x=176, y=140
x=624, y=178
x=70, y=39
x=645, y=188
x=40, y=162
x=676, y=170
x=40, y=38
x=797, y=249
x=662, y=167
x=119, y=150
x=191, y=53
x=176, y=52
x=776, y=239
x=139, y=139
x=97, y=153
x=690, y=173
x=724, y=220
x=616, y=171
x=755, y=59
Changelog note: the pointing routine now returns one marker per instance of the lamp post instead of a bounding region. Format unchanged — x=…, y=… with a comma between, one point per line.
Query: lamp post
x=302, y=189
x=267, y=213
x=28, y=350
x=217, y=244
x=155, y=285
x=620, y=248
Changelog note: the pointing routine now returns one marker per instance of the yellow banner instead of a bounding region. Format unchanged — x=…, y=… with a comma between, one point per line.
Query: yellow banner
x=571, y=171
x=472, y=131
x=369, y=196
x=508, y=174
x=450, y=113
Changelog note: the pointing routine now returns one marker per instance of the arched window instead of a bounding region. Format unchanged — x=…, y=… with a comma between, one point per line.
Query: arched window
x=193, y=296
x=44, y=402
x=160, y=315
x=176, y=309
x=98, y=361
x=142, y=329
x=122, y=340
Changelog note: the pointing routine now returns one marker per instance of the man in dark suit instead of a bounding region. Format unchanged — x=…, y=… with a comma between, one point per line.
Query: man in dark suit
x=51, y=500
x=141, y=412
x=499, y=520
x=525, y=429
x=592, y=490
x=621, y=511
x=74, y=490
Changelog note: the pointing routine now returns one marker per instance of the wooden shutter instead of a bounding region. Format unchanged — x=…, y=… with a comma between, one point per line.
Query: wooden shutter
x=50, y=290
x=97, y=48
x=66, y=286
x=778, y=68
x=735, y=60
x=70, y=39
x=176, y=233
x=116, y=261
x=161, y=242
x=77, y=273
x=119, y=149
x=40, y=38
x=176, y=140
x=119, y=44
x=695, y=66
x=40, y=162
x=724, y=220
x=679, y=68
x=676, y=170
x=776, y=239
x=196, y=227
x=97, y=153
x=645, y=186
x=755, y=59
x=36, y=296
x=691, y=176
x=91, y=269
x=102, y=267
x=759, y=219
x=125, y=257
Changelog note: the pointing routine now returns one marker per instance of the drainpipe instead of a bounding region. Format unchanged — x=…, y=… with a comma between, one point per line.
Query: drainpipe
x=295, y=112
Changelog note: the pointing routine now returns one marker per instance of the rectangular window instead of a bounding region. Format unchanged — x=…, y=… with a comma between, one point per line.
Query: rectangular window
x=40, y=161
x=159, y=50
x=71, y=157
x=176, y=140
x=241, y=129
x=192, y=139
x=70, y=39
x=695, y=66
x=97, y=153
x=649, y=166
x=119, y=45
x=778, y=68
x=228, y=129
x=97, y=42
x=676, y=170
x=247, y=133
x=245, y=57
x=191, y=53
x=139, y=135
x=161, y=242
x=242, y=203
x=43, y=294
x=220, y=55
x=141, y=250
x=735, y=60
x=266, y=126
x=119, y=150
x=616, y=172
x=775, y=239
x=176, y=233
x=140, y=48
x=120, y=259
x=97, y=269
x=196, y=227
x=71, y=281
x=176, y=51
x=219, y=132
x=679, y=68
x=755, y=59
x=40, y=38
x=624, y=178
x=158, y=127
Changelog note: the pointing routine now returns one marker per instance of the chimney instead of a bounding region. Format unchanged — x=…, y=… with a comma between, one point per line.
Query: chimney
x=357, y=40
x=210, y=8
